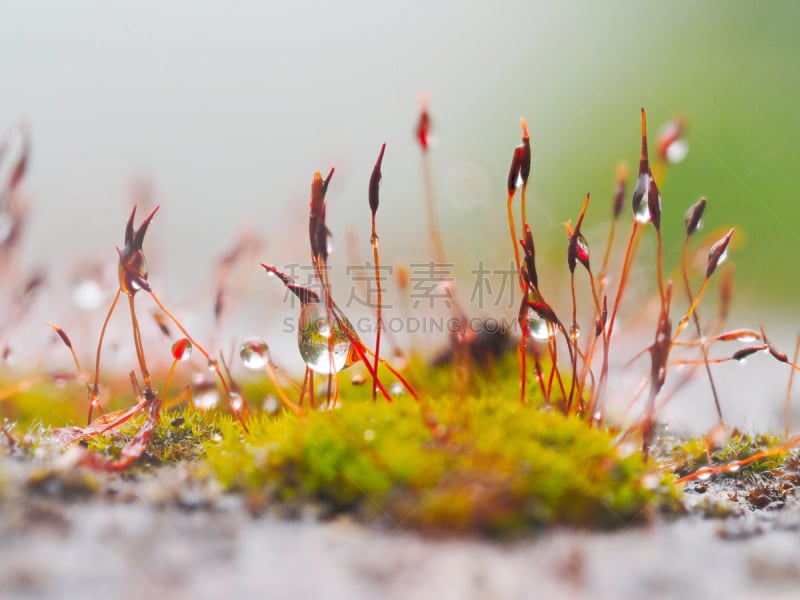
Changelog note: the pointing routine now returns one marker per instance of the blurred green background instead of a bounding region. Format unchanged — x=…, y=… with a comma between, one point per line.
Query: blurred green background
x=228, y=109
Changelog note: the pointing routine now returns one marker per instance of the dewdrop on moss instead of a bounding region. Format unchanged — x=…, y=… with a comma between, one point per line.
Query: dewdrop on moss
x=254, y=353
x=182, y=349
x=313, y=339
x=205, y=395
x=235, y=401
x=86, y=294
x=539, y=328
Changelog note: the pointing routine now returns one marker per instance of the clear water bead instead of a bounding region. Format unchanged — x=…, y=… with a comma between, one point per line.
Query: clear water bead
x=319, y=352
x=87, y=294
x=205, y=395
x=271, y=405
x=254, y=353
x=235, y=401
x=677, y=151
x=641, y=210
x=582, y=248
x=539, y=328
x=705, y=475
x=722, y=257
x=182, y=349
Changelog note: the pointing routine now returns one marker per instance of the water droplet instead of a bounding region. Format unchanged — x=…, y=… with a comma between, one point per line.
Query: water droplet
x=722, y=257
x=582, y=248
x=369, y=435
x=314, y=339
x=254, y=353
x=396, y=389
x=182, y=349
x=539, y=328
x=213, y=365
x=87, y=294
x=575, y=332
x=705, y=475
x=677, y=151
x=358, y=379
x=235, y=401
x=734, y=466
x=271, y=405
x=206, y=400
x=641, y=206
x=205, y=395
x=642, y=215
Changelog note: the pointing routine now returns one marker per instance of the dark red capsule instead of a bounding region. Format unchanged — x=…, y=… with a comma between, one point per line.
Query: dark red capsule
x=375, y=182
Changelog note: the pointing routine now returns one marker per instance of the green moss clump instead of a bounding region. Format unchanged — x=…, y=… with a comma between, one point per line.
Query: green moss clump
x=684, y=457
x=501, y=468
x=41, y=403
x=179, y=437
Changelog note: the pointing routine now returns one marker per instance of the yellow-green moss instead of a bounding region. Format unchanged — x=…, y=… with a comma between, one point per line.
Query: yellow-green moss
x=41, y=403
x=501, y=467
x=687, y=456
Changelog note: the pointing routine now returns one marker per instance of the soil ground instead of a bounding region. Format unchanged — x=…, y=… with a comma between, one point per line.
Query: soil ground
x=166, y=539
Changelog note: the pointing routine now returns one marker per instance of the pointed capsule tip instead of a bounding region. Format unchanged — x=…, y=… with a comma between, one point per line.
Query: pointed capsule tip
x=138, y=234
x=644, y=162
x=129, y=227
x=61, y=333
x=375, y=182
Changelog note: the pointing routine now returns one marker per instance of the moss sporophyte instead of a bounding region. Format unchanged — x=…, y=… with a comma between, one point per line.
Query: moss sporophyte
x=468, y=444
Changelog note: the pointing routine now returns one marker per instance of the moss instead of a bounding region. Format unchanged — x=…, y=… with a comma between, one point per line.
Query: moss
x=34, y=401
x=502, y=467
x=766, y=483
x=687, y=456
x=40, y=403
x=180, y=436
